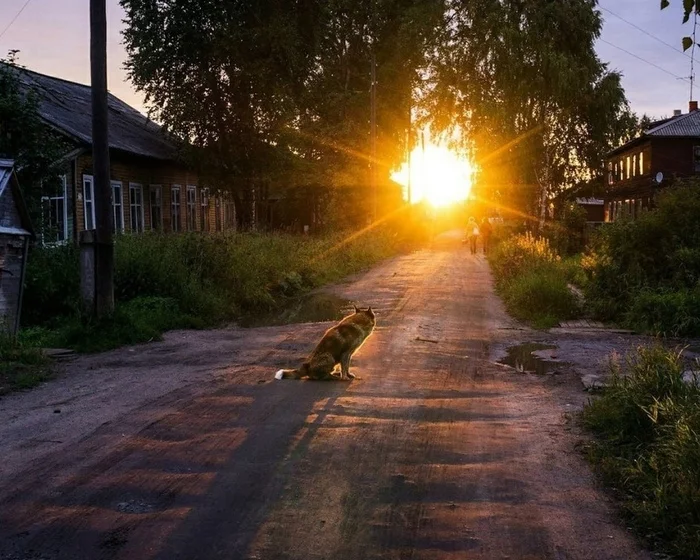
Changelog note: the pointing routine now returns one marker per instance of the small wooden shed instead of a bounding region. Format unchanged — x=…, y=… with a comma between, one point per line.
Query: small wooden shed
x=15, y=235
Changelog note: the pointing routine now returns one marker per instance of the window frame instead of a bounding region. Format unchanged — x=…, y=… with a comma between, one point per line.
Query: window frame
x=176, y=217
x=91, y=180
x=113, y=183
x=204, y=224
x=136, y=187
x=151, y=190
x=49, y=200
x=191, y=208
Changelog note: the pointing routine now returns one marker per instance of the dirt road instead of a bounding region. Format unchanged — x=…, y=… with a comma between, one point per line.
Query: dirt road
x=187, y=449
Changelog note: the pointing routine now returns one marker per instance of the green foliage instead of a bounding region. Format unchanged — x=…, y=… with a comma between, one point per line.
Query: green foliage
x=26, y=139
x=647, y=424
x=271, y=89
x=523, y=83
x=533, y=280
x=21, y=366
x=647, y=271
x=568, y=233
x=175, y=281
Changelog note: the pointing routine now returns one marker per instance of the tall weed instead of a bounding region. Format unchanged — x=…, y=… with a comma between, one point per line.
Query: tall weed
x=647, y=424
x=533, y=280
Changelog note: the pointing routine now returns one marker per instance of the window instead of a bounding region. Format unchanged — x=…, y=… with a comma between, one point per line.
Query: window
x=156, y=200
x=89, y=202
x=175, y=212
x=696, y=158
x=136, y=207
x=229, y=214
x=117, y=207
x=627, y=167
x=622, y=169
x=204, y=210
x=617, y=173
x=641, y=163
x=634, y=165
x=55, y=214
x=191, y=207
x=218, y=210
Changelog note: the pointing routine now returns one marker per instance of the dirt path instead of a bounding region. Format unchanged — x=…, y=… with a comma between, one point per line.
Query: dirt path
x=176, y=450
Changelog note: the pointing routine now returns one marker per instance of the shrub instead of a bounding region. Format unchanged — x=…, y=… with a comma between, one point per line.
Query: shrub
x=168, y=281
x=533, y=280
x=541, y=296
x=647, y=425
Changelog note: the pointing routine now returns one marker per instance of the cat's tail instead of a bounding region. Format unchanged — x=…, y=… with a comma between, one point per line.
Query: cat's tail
x=287, y=374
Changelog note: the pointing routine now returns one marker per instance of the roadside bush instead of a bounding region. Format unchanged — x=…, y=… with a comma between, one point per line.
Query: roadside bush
x=52, y=284
x=647, y=271
x=541, y=296
x=533, y=280
x=647, y=425
x=21, y=366
x=169, y=281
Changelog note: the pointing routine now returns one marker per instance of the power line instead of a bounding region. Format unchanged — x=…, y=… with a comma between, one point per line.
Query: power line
x=644, y=60
x=628, y=22
x=14, y=18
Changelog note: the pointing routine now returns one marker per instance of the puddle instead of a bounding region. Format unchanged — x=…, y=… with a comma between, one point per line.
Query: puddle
x=312, y=308
x=521, y=357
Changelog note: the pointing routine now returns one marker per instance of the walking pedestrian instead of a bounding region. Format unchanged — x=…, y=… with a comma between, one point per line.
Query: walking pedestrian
x=486, y=230
x=472, y=234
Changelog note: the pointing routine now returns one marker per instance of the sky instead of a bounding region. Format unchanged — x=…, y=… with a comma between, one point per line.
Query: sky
x=53, y=38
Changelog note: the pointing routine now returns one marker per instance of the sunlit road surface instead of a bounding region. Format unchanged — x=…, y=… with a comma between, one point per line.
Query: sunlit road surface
x=435, y=453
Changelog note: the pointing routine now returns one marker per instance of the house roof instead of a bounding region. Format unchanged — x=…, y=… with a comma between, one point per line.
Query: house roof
x=681, y=126
x=67, y=106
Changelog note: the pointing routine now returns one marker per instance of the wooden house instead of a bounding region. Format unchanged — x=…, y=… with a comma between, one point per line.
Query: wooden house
x=15, y=234
x=668, y=150
x=152, y=189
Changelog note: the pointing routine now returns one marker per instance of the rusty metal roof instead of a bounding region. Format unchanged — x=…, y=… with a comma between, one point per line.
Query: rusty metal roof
x=67, y=106
x=681, y=126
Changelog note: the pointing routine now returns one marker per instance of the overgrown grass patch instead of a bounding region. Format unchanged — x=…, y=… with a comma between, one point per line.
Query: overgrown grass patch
x=21, y=366
x=647, y=446
x=533, y=280
x=164, y=282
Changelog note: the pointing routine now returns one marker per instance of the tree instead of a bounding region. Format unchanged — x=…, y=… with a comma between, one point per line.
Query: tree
x=535, y=104
x=689, y=7
x=258, y=86
x=223, y=77
x=26, y=139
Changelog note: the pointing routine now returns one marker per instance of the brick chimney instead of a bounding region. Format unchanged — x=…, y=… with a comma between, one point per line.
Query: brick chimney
x=677, y=112
x=693, y=106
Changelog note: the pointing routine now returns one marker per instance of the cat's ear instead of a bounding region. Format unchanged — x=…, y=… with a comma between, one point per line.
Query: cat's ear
x=356, y=309
x=370, y=312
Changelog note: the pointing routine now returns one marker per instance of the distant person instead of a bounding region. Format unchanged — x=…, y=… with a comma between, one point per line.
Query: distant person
x=472, y=234
x=486, y=231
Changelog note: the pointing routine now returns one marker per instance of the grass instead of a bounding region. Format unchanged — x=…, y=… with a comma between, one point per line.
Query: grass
x=647, y=446
x=533, y=280
x=21, y=366
x=163, y=282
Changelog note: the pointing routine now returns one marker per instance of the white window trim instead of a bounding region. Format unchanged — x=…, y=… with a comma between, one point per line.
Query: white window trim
x=47, y=199
x=143, y=220
x=151, y=188
x=92, y=189
x=177, y=188
x=189, y=189
x=121, y=205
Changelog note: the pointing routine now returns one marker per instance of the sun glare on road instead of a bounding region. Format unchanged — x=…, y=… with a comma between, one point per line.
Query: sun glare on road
x=438, y=175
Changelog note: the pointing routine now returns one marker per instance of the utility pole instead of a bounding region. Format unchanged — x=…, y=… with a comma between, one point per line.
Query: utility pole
x=373, y=134
x=97, y=247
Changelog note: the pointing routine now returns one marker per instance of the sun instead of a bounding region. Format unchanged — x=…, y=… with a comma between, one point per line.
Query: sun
x=438, y=175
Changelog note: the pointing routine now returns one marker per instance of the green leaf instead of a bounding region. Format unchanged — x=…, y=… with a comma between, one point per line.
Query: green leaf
x=688, y=6
x=687, y=43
